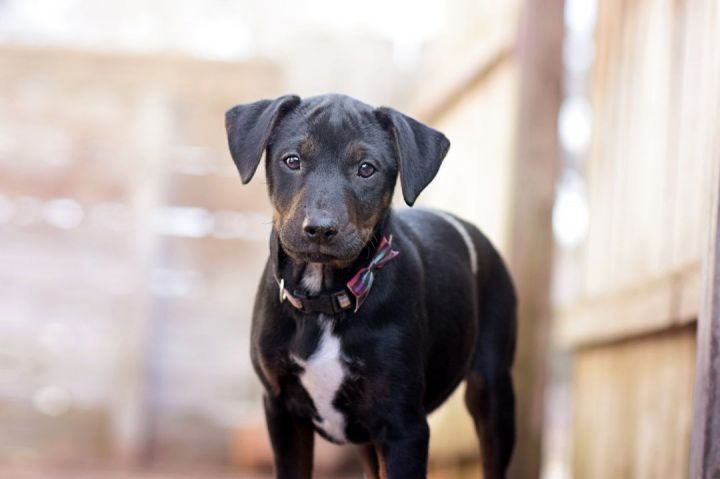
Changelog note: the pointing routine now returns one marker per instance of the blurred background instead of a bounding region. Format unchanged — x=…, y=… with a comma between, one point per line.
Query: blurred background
x=584, y=143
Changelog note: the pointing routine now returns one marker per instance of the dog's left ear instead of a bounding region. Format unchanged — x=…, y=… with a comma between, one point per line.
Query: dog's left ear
x=249, y=127
x=419, y=150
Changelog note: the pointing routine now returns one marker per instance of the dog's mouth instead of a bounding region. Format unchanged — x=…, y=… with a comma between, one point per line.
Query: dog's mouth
x=313, y=257
x=319, y=256
x=335, y=255
x=340, y=252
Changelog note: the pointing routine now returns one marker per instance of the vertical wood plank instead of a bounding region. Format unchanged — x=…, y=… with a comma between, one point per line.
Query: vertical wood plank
x=705, y=449
x=633, y=402
x=705, y=445
x=531, y=241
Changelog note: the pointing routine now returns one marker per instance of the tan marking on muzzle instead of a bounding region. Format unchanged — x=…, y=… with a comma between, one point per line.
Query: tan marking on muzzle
x=366, y=229
x=279, y=216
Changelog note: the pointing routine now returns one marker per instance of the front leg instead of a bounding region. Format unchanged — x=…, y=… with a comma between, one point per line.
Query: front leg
x=404, y=450
x=370, y=461
x=292, y=441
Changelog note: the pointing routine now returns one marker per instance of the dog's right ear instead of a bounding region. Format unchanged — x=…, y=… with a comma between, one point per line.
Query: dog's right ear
x=249, y=127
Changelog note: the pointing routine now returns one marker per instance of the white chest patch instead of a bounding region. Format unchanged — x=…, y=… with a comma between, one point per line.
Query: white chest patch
x=322, y=377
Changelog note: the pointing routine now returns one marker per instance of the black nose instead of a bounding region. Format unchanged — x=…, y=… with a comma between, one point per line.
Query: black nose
x=320, y=229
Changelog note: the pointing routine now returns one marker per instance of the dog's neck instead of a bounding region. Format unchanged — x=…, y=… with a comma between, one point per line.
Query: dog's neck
x=313, y=277
x=316, y=277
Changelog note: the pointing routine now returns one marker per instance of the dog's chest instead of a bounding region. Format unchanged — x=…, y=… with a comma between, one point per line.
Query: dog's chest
x=322, y=375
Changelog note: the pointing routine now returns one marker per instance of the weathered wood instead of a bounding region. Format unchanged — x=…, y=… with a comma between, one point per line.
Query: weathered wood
x=705, y=449
x=475, y=179
x=654, y=94
x=531, y=240
x=666, y=302
x=477, y=74
x=651, y=173
x=632, y=407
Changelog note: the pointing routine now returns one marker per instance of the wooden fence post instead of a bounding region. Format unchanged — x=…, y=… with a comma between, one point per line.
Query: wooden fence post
x=705, y=446
x=531, y=240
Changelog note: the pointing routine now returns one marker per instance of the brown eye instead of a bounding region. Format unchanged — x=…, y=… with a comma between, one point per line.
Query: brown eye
x=292, y=162
x=366, y=170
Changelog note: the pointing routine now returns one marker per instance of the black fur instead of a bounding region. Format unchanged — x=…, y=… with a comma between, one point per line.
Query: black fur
x=428, y=323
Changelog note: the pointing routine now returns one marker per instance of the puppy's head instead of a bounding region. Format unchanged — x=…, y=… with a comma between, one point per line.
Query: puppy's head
x=331, y=166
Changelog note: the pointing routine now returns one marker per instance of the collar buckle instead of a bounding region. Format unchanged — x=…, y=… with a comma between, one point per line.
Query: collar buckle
x=281, y=287
x=329, y=303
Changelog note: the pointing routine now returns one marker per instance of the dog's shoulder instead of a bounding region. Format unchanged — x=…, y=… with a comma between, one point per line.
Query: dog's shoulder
x=436, y=227
x=439, y=233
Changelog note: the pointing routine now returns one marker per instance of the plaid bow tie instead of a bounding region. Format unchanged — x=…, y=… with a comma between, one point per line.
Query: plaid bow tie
x=360, y=284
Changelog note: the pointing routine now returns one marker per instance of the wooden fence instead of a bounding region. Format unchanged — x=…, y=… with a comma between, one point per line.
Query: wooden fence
x=655, y=92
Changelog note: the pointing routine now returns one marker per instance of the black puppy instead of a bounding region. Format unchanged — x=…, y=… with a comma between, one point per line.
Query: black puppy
x=367, y=318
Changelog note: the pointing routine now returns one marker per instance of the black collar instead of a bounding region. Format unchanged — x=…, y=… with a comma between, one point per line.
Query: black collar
x=330, y=302
x=322, y=303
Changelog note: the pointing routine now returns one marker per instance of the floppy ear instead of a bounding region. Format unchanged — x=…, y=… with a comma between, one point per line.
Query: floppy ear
x=419, y=150
x=249, y=127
